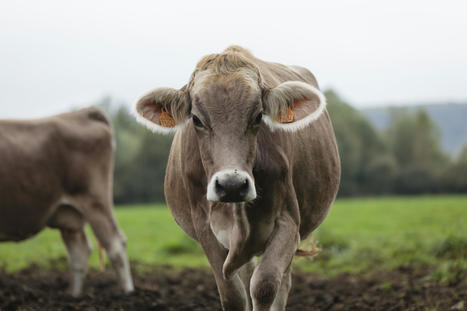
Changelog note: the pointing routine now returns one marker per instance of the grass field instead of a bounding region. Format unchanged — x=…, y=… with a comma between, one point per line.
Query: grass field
x=358, y=235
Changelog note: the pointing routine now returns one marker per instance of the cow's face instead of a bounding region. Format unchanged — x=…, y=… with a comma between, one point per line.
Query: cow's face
x=226, y=111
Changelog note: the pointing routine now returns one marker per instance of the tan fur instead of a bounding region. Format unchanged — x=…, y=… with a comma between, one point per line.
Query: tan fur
x=296, y=173
x=233, y=60
x=224, y=63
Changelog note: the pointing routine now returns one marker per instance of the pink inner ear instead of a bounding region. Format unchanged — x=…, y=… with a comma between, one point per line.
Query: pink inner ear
x=303, y=108
x=158, y=115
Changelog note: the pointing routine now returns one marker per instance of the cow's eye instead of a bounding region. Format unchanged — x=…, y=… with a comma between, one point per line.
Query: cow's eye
x=197, y=122
x=258, y=118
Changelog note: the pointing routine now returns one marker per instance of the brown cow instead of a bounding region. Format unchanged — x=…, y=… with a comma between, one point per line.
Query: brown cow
x=253, y=169
x=57, y=172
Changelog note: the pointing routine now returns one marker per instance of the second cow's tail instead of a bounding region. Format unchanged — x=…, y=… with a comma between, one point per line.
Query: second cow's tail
x=100, y=251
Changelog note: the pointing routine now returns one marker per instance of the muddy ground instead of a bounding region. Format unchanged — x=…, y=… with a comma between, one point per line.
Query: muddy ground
x=164, y=289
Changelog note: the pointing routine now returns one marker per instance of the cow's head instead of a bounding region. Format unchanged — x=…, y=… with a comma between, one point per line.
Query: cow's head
x=226, y=101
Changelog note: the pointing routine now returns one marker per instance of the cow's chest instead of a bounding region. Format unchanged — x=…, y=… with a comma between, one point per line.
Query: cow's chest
x=229, y=232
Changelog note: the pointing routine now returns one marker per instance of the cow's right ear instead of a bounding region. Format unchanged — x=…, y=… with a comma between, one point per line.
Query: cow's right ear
x=163, y=110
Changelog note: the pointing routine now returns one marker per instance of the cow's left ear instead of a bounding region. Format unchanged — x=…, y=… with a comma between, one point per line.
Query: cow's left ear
x=163, y=110
x=292, y=105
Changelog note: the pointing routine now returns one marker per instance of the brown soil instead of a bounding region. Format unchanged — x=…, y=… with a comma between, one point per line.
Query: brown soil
x=164, y=289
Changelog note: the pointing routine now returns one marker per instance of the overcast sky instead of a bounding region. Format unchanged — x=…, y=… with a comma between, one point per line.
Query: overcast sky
x=57, y=54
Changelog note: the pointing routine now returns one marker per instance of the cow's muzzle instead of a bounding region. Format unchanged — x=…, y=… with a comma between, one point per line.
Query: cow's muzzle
x=231, y=186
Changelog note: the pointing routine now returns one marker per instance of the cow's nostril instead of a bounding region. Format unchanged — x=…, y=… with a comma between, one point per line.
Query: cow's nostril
x=219, y=188
x=244, y=187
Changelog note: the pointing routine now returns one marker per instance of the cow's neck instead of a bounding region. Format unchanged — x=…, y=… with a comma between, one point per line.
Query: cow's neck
x=239, y=250
x=240, y=229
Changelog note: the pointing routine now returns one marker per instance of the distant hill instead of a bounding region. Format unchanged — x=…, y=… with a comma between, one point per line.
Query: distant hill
x=451, y=119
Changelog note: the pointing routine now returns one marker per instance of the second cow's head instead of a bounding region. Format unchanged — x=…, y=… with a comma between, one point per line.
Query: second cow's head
x=225, y=102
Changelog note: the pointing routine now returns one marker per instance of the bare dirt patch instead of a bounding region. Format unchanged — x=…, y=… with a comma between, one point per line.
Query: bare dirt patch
x=164, y=289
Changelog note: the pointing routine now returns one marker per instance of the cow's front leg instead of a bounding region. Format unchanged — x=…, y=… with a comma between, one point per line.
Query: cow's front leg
x=281, y=298
x=270, y=282
x=232, y=292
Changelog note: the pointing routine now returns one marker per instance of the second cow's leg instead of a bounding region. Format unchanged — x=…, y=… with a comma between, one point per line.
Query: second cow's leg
x=79, y=250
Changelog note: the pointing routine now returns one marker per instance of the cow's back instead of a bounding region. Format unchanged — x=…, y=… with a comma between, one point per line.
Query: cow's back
x=43, y=160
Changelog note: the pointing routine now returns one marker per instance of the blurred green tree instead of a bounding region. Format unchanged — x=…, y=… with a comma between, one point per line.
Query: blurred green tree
x=140, y=157
x=455, y=177
x=414, y=141
x=363, y=154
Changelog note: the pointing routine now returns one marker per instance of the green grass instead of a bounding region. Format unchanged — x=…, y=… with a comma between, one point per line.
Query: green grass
x=358, y=235
x=384, y=233
x=153, y=238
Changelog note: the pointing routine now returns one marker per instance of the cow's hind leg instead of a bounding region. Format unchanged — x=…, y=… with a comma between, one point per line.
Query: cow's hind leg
x=79, y=250
x=71, y=223
x=104, y=225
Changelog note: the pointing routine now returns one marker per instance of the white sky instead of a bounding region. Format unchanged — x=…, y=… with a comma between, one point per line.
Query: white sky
x=57, y=54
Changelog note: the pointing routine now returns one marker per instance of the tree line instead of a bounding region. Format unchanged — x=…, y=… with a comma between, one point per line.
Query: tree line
x=406, y=158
